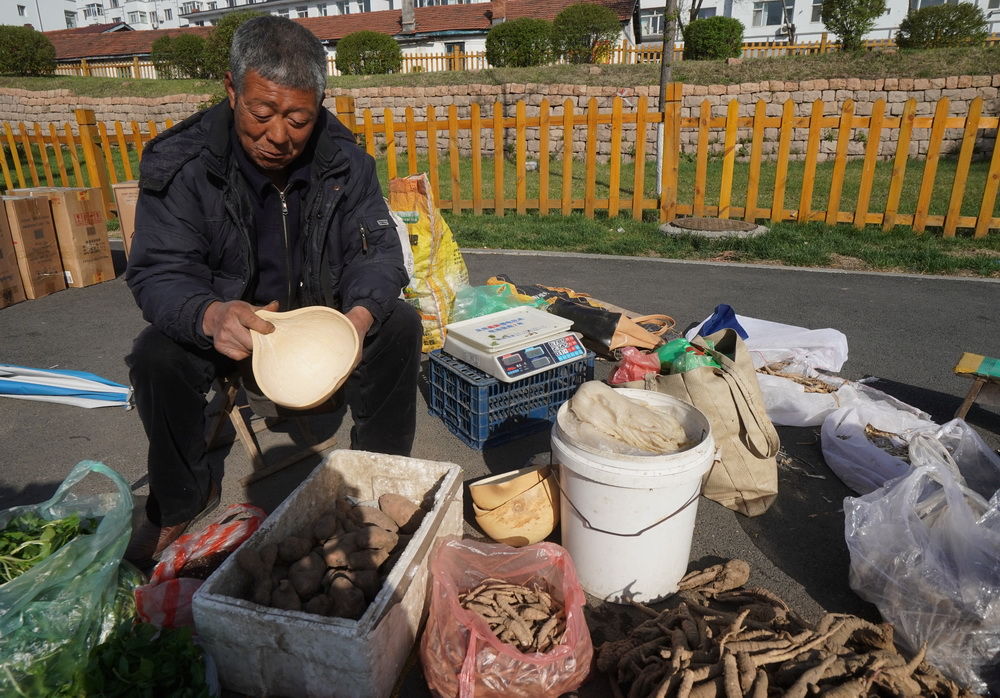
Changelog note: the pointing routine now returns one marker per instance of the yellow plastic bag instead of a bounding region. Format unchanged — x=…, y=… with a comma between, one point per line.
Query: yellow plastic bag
x=438, y=268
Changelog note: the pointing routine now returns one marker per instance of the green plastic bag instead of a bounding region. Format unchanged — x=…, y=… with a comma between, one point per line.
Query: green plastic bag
x=679, y=355
x=476, y=301
x=52, y=615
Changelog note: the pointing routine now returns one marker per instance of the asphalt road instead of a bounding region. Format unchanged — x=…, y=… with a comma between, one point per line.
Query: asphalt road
x=906, y=330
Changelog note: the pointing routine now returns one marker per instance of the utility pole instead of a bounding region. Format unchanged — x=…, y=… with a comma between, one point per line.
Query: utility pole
x=666, y=74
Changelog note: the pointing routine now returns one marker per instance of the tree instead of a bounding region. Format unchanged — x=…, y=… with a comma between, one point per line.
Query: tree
x=216, y=56
x=851, y=20
x=714, y=38
x=368, y=53
x=940, y=26
x=581, y=31
x=179, y=56
x=24, y=51
x=519, y=43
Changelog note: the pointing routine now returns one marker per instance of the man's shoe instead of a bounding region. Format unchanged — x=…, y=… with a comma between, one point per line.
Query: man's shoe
x=149, y=540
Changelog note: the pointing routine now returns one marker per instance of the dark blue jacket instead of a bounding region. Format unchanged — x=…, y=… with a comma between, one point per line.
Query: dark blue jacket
x=194, y=241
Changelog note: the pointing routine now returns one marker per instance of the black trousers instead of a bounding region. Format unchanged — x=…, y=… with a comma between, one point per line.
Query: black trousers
x=170, y=381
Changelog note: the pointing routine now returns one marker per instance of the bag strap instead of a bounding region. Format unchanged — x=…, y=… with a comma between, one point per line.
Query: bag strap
x=661, y=323
x=751, y=412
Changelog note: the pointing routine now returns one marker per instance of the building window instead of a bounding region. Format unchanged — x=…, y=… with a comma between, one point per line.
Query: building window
x=70, y=19
x=769, y=13
x=302, y=11
x=364, y=5
x=994, y=4
x=817, y=11
x=213, y=5
x=114, y=4
x=230, y=3
x=344, y=8
x=116, y=20
x=21, y=9
x=137, y=17
x=706, y=12
x=190, y=7
x=392, y=5
x=651, y=22
x=93, y=11
x=282, y=13
x=322, y=9
x=168, y=15
x=931, y=3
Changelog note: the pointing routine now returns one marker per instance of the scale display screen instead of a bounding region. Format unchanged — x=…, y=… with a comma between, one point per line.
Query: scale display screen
x=534, y=358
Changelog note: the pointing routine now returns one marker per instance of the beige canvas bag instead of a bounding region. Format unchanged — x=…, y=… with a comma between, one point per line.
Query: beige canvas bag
x=746, y=479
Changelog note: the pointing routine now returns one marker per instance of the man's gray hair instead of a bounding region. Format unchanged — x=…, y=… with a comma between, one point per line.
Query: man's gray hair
x=278, y=50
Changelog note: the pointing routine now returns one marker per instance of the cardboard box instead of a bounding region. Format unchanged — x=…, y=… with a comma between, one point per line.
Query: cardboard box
x=126, y=196
x=267, y=651
x=81, y=230
x=35, y=244
x=11, y=288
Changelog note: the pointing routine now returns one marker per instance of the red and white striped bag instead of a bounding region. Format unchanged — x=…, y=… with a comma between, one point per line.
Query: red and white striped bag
x=166, y=600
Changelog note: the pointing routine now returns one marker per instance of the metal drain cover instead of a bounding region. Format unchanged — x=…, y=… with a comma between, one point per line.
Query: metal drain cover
x=712, y=227
x=714, y=224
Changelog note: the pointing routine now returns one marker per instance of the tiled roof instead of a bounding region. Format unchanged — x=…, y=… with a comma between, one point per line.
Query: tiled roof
x=89, y=29
x=73, y=45
x=439, y=18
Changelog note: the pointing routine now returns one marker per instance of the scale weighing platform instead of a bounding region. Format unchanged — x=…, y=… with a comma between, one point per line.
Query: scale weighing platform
x=515, y=343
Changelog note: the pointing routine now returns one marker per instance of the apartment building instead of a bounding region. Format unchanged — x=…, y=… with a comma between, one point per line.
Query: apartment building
x=41, y=15
x=138, y=14
x=774, y=20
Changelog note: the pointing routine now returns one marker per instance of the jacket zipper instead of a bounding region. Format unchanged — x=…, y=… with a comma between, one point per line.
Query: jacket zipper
x=364, y=239
x=288, y=254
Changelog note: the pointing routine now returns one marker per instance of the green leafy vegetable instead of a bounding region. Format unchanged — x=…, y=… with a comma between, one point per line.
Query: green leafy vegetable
x=28, y=539
x=146, y=661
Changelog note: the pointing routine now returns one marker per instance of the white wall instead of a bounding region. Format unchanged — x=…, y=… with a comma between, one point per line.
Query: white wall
x=802, y=17
x=42, y=15
x=138, y=14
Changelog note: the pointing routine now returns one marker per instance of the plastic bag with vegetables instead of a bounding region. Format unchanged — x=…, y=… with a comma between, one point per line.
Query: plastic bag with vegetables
x=55, y=611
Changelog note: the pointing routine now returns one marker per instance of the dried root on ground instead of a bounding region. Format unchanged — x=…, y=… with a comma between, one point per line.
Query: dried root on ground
x=528, y=618
x=726, y=639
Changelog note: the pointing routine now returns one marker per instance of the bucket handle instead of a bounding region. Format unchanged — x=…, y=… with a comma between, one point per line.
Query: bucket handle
x=592, y=527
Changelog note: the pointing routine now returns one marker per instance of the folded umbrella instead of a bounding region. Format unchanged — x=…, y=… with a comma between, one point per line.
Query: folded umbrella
x=77, y=388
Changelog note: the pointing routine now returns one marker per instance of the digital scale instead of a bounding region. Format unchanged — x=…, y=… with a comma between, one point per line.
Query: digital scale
x=515, y=343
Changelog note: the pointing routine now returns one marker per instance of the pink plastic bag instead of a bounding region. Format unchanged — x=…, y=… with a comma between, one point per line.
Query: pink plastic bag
x=166, y=600
x=460, y=654
x=635, y=365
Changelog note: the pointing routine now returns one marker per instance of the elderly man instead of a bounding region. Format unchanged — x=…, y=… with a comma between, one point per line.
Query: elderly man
x=263, y=200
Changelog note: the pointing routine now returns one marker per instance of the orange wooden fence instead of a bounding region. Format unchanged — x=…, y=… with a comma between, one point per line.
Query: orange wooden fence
x=95, y=155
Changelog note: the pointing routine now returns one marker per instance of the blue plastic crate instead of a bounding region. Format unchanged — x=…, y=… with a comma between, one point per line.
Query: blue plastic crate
x=483, y=411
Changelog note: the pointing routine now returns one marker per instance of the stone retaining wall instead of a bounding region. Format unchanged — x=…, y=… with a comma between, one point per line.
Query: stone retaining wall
x=55, y=106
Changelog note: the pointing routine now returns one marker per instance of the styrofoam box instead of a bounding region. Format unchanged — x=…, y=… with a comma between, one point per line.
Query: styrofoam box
x=267, y=651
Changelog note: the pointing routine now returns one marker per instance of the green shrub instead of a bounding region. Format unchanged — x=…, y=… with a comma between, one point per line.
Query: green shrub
x=217, y=45
x=713, y=38
x=943, y=25
x=368, y=53
x=850, y=20
x=519, y=43
x=179, y=56
x=580, y=32
x=23, y=51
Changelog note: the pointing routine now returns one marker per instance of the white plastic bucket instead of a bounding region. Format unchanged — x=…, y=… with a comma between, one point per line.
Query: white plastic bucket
x=628, y=521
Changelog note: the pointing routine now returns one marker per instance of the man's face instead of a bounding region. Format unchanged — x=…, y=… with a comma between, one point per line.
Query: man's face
x=272, y=121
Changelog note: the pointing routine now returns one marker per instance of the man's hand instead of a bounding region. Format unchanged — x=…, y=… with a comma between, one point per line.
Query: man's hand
x=362, y=320
x=229, y=325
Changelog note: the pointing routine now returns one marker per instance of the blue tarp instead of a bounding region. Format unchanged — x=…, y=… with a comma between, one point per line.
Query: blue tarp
x=77, y=388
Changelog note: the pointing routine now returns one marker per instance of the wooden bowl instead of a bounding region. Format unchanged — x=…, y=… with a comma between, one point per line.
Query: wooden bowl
x=528, y=518
x=307, y=358
x=491, y=492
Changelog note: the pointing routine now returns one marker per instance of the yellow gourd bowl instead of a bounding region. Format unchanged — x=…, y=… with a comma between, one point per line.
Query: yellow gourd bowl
x=527, y=518
x=491, y=492
x=307, y=358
